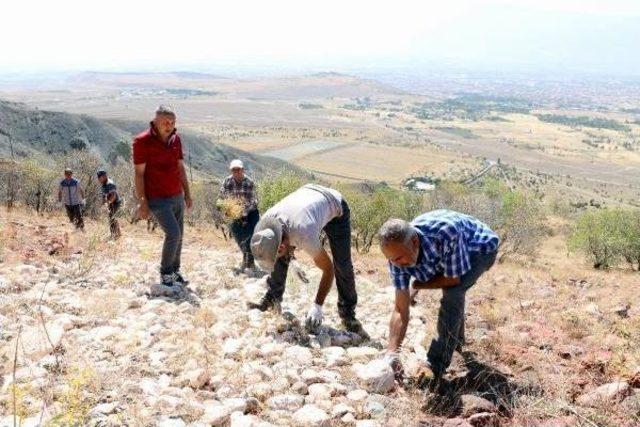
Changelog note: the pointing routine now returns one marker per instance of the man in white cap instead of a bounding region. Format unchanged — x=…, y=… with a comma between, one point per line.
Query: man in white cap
x=296, y=222
x=240, y=187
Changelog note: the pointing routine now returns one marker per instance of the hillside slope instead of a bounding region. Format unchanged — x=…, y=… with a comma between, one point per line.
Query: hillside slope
x=95, y=348
x=47, y=133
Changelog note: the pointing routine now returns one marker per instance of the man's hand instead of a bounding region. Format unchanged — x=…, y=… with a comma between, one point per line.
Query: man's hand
x=188, y=201
x=314, y=317
x=143, y=210
x=392, y=358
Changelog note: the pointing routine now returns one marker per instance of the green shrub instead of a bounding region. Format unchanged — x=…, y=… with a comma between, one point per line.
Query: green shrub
x=274, y=187
x=370, y=209
x=608, y=236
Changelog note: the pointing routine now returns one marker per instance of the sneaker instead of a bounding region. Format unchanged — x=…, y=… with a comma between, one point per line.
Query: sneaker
x=267, y=303
x=351, y=324
x=167, y=279
x=179, y=278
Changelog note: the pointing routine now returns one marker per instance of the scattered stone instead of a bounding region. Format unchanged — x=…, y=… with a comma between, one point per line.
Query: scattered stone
x=357, y=395
x=376, y=376
x=484, y=419
x=319, y=392
x=362, y=353
x=288, y=402
x=373, y=408
x=299, y=355
x=311, y=415
x=472, y=404
x=456, y=422
x=341, y=409
x=171, y=422
x=215, y=414
x=197, y=378
x=300, y=387
x=605, y=394
x=348, y=419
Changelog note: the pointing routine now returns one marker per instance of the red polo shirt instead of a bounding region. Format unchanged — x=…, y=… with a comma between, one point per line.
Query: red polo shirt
x=162, y=176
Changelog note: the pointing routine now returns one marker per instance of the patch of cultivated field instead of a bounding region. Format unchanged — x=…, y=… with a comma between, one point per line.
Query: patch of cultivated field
x=362, y=161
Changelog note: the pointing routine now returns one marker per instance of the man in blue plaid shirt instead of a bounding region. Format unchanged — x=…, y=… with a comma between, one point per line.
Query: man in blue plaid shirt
x=239, y=186
x=441, y=249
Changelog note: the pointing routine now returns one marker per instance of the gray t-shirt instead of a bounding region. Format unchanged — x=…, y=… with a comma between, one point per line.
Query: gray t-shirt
x=305, y=212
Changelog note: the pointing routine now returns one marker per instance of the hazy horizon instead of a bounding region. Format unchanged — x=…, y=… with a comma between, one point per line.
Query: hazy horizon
x=559, y=38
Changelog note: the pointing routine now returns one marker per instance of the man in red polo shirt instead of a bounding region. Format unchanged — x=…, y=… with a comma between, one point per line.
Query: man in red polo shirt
x=162, y=187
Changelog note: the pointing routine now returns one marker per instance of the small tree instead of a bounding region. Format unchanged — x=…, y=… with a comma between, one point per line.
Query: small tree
x=607, y=236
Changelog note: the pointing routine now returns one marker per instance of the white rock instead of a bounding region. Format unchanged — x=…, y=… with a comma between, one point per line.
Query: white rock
x=171, y=422
x=288, y=402
x=215, y=414
x=235, y=404
x=373, y=408
x=232, y=347
x=197, y=378
x=335, y=356
x=341, y=409
x=240, y=420
x=362, y=353
x=376, y=376
x=319, y=392
x=357, y=395
x=348, y=419
x=298, y=355
x=310, y=415
x=607, y=394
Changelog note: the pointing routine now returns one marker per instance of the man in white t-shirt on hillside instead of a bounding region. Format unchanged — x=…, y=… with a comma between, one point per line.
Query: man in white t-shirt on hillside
x=296, y=223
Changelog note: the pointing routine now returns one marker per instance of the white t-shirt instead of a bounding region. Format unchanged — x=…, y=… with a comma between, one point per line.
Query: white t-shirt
x=305, y=212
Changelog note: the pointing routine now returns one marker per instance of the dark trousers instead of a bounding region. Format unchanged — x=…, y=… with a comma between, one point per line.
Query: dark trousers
x=74, y=212
x=242, y=230
x=114, y=227
x=169, y=212
x=451, y=314
x=338, y=232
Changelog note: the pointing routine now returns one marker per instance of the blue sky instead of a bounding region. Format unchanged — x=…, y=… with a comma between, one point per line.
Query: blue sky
x=557, y=36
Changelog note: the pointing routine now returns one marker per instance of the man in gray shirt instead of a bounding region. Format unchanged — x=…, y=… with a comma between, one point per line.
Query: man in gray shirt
x=296, y=222
x=71, y=195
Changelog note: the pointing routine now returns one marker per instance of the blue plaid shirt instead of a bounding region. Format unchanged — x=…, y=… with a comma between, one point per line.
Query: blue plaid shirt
x=446, y=238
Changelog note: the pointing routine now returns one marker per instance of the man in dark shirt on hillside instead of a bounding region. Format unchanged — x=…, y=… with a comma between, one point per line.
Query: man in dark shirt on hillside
x=111, y=197
x=241, y=188
x=162, y=187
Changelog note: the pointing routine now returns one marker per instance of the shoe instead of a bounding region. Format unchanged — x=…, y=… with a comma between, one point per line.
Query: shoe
x=351, y=324
x=167, y=279
x=179, y=278
x=267, y=303
x=427, y=378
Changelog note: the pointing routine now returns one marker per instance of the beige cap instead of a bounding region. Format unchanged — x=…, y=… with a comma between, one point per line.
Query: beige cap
x=265, y=242
x=236, y=164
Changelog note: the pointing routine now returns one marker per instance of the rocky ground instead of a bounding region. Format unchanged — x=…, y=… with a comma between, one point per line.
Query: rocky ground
x=87, y=340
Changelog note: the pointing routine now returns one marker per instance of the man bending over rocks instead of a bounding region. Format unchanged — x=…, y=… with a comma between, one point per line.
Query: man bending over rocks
x=296, y=222
x=162, y=187
x=440, y=249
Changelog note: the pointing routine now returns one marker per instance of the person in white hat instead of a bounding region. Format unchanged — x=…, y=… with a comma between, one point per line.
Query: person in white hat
x=239, y=186
x=296, y=222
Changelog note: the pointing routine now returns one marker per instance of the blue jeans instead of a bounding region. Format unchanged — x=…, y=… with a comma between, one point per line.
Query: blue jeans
x=169, y=212
x=451, y=314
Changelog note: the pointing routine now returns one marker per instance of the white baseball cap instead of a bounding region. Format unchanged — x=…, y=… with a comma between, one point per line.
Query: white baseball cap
x=236, y=164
